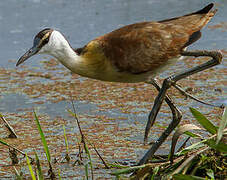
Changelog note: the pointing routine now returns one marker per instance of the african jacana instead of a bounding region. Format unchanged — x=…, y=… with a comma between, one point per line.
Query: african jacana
x=134, y=53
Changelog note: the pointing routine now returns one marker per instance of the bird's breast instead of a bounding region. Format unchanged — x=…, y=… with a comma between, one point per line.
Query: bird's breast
x=94, y=64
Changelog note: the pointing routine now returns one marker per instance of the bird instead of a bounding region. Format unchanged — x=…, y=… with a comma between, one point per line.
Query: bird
x=131, y=54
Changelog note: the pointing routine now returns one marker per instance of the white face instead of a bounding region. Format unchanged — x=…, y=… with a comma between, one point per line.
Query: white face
x=49, y=42
x=57, y=42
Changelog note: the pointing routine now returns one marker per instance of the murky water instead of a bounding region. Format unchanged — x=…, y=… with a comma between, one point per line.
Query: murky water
x=112, y=115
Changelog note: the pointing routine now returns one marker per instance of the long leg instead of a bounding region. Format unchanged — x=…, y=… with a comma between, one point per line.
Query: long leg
x=167, y=83
x=175, y=111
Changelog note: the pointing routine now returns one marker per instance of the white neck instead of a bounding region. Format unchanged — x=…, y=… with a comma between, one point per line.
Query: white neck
x=59, y=47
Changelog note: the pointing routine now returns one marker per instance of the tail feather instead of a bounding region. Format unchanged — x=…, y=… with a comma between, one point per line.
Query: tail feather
x=196, y=19
x=205, y=10
x=193, y=21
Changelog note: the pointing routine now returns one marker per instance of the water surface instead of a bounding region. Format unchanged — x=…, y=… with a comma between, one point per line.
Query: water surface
x=112, y=115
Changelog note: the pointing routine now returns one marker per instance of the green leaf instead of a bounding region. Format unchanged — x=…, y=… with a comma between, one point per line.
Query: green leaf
x=118, y=166
x=127, y=170
x=204, y=121
x=193, y=135
x=210, y=173
x=186, y=177
x=39, y=169
x=222, y=147
x=222, y=126
x=30, y=167
x=43, y=138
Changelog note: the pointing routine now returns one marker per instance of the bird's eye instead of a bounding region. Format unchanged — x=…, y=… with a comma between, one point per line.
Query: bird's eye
x=45, y=41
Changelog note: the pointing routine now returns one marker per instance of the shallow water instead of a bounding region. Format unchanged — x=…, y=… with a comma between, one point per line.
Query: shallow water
x=112, y=115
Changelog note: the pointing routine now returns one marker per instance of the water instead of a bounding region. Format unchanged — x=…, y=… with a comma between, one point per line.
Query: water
x=82, y=21
x=112, y=115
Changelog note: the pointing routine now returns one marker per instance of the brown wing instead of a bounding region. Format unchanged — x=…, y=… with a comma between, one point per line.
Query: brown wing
x=141, y=47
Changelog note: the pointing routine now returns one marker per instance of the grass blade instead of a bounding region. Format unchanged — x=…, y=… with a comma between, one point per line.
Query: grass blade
x=192, y=135
x=194, y=146
x=30, y=168
x=67, y=157
x=10, y=146
x=89, y=157
x=4, y=143
x=86, y=171
x=66, y=141
x=43, y=138
x=155, y=172
x=210, y=173
x=18, y=176
x=118, y=166
x=186, y=162
x=128, y=170
x=222, y=126
x=222, y=147
x=204, y=121
x=39, y=169
x=181, y=130
x=186, y=177
x=9, y=127
x=59, y=175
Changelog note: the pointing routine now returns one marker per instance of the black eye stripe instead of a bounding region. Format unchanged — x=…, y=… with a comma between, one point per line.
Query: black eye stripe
x=43, y=32
x=45, y=41
x=40, y=42
x=42, y=38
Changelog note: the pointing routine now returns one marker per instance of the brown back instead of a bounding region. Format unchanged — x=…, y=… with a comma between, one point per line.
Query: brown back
x=141, y=47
